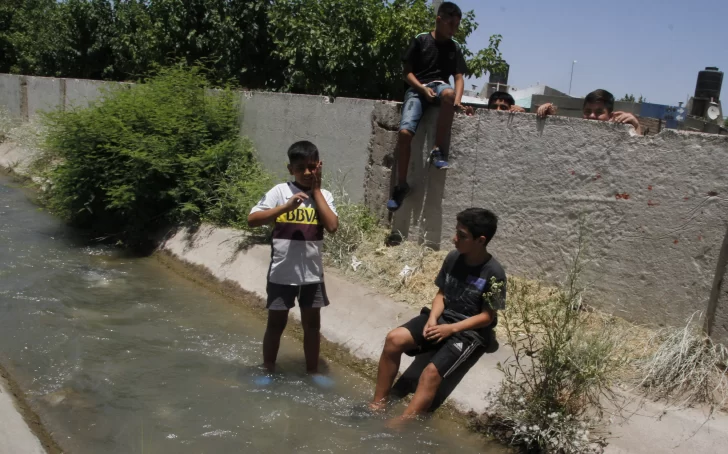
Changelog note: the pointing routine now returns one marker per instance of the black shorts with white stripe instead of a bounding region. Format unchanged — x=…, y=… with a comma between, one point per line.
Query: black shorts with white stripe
x=449, y=354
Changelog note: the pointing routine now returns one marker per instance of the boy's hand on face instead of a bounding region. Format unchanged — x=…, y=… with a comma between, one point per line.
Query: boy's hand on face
x=295, y=201
x=317, y=176
x=438, y=333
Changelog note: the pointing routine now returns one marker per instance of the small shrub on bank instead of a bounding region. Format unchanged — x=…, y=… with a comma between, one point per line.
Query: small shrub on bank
x=560, y=373
x=152, y=154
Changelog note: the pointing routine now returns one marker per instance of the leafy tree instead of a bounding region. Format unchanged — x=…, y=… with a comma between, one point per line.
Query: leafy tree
x=334, y=47
x=631, y=98
x=354, y=47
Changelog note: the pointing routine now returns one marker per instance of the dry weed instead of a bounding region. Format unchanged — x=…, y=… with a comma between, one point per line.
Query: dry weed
x=685, y=368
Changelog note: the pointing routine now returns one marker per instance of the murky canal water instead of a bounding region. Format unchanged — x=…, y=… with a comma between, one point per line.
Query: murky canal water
x=120, y=355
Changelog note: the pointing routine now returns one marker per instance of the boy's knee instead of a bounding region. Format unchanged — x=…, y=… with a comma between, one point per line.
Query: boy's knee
x=430, y=377
x=277, y=322
x=405, y=135
x=447, y=97
x=311, y=325
x=395, y=342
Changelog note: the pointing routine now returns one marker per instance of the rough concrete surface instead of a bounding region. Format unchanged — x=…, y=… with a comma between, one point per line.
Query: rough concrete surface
x=81, y=92
x=359, y=318
x=15, y=157
x=340, y=128
x=653, y=208
x=10, y=94
x=15, y=435
x=44, y=94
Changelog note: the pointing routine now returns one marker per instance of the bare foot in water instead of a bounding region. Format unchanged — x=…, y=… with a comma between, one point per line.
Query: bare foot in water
x=398, y=423
x=377, y=407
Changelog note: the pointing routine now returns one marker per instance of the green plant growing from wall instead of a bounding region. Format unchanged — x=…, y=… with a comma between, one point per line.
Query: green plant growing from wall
x=560, y=374
x=148, y=155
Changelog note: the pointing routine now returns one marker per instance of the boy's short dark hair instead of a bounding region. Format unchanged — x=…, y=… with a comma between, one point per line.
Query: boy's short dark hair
x=302, y=150
x=502, y=96
x=479, y=222
x=448, y=10
x=602, y=96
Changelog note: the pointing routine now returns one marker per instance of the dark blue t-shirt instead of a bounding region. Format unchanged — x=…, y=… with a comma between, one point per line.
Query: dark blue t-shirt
x=464, y=287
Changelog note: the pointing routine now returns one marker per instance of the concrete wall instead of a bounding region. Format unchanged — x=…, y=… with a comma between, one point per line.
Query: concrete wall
x=340, y=128
x=26, y=96
x=654, y=207
x=11, y=94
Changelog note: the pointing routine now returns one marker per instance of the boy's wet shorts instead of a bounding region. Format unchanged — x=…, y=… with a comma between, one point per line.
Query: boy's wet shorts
x=282, y=297
x=449, y=354
x=415, y=105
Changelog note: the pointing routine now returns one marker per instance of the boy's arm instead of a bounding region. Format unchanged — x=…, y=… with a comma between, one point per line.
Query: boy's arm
x=326, y=215
x=481, y=320
x=266, y=216
x=459, y=89
x=438, y=333
x=412, y=81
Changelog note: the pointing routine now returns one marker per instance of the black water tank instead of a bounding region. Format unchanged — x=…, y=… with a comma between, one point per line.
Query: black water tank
x=709, y=83
x=501, y=77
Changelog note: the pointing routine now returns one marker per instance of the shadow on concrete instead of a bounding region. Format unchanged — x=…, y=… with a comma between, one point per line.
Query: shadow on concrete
x=407, y=383
x=420, y=217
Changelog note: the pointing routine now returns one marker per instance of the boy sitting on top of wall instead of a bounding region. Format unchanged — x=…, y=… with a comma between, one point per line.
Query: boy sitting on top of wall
x=429, y=62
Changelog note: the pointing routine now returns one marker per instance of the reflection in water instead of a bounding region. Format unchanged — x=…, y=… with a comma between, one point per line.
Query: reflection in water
x=118, y=355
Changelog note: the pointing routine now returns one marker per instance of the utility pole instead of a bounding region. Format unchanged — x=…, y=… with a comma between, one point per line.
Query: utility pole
x=436, y=4
x=572, y=75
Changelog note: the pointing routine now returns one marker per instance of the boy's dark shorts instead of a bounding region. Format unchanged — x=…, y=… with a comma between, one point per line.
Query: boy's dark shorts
x=282, y=297
x=449, y=354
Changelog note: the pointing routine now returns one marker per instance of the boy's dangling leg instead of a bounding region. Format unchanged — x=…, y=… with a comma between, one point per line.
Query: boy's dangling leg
x=444, y=124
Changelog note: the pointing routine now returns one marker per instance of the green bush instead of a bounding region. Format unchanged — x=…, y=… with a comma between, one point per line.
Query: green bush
x=148, y=155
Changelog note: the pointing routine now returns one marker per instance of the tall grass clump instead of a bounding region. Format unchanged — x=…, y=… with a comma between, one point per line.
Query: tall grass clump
x=560, y=376
x=686, y=369
x=152, y=154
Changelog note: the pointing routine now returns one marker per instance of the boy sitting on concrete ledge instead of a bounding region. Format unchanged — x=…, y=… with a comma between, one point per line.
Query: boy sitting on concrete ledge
x=429, y=62
x=471, y=287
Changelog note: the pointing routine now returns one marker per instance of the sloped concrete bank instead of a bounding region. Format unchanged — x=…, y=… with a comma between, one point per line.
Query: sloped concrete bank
x=359, y=318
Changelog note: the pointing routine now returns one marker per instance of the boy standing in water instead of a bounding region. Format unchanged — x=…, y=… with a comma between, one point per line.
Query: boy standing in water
x=300, y=211
x=471, y=287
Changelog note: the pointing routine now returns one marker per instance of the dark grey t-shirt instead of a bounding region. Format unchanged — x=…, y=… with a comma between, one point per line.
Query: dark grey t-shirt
x=433, y=60
x=464, y=287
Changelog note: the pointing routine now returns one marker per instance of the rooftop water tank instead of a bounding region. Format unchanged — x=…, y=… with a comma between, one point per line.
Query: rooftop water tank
x=709, y=83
